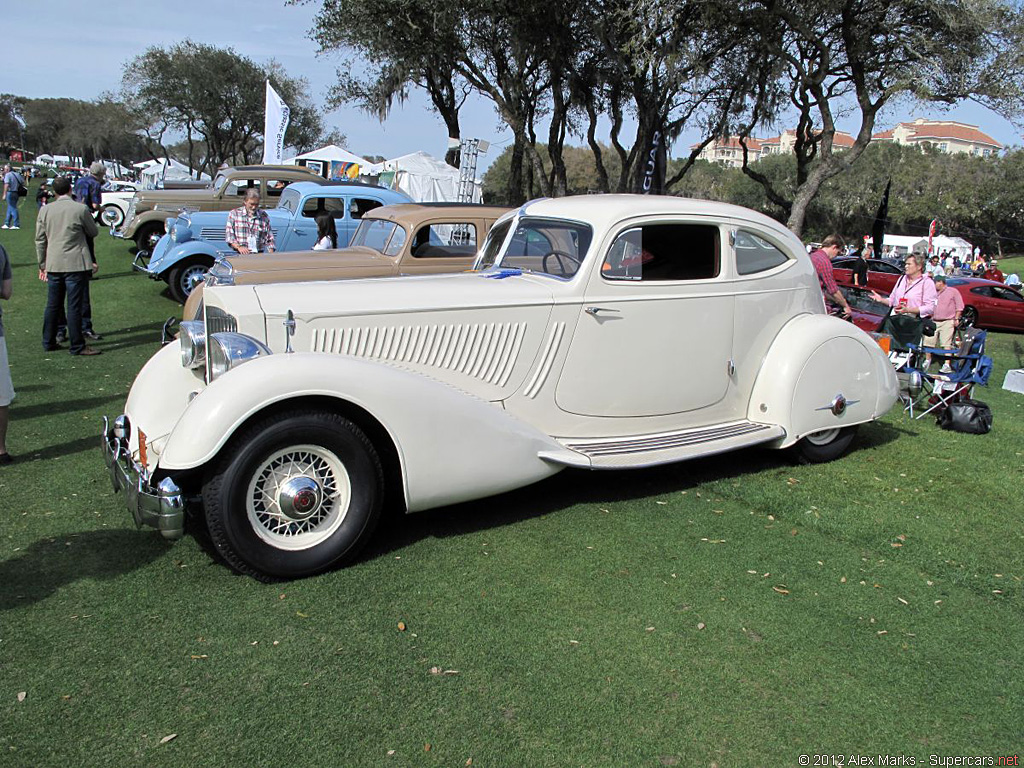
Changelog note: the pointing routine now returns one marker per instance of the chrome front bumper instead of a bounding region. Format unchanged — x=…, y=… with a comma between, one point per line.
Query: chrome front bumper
x=141, y=263
x=161, y=507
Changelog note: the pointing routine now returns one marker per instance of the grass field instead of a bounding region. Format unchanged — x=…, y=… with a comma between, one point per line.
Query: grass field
x=735, y=611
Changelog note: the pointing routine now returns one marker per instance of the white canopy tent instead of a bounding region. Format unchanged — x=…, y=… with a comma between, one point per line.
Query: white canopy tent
x=423, y=178
x=321, y=159
x=154, y=171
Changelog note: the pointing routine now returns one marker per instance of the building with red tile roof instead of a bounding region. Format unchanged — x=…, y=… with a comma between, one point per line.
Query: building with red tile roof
x=945, y=135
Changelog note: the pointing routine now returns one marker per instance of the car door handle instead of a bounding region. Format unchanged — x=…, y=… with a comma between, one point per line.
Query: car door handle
x=300, y=231
x=594, y=310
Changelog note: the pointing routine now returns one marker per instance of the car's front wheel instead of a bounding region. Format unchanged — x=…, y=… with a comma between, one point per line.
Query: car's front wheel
x=826, y=445
x=184, y=277
x=111, y=216
x=294, y=495
x=149, y=235
x=968, y=317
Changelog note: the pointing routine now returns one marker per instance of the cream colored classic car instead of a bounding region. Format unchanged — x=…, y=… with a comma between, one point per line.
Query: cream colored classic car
x=603, y=332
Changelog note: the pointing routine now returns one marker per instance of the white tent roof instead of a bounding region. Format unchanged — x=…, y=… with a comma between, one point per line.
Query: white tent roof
x=328, y=153
x=164, y=171
x=424, y=178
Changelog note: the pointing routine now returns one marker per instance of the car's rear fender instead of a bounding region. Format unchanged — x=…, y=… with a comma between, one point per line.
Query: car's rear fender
x=452, y=446
x=821, y=373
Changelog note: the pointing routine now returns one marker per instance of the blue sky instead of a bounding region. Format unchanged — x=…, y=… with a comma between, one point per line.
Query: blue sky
x=78, y=50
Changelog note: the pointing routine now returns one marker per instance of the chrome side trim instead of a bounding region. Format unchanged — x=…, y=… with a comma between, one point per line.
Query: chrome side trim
x=665, y=440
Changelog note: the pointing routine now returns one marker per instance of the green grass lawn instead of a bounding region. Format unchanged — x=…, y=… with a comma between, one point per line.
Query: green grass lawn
x=734, y=611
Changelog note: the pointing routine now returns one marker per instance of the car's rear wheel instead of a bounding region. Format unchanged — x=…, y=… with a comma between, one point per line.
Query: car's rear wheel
x=826, y=445
x=968, y=317
x=111, y=216
x=182, y=278
x=294, y=495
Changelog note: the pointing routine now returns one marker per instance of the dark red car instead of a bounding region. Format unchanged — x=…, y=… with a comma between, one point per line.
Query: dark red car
x=882, y=275
x=867, y=313
x=988, y=304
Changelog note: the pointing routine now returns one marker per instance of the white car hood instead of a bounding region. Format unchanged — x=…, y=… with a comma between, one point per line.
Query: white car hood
x=402, y=295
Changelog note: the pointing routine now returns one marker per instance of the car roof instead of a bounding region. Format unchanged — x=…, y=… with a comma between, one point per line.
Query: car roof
x=308, y=187
x=598, y=210
x=298, y=168
x=412, y=212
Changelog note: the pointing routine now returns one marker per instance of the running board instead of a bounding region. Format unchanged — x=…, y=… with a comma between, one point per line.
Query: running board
x=662, y=447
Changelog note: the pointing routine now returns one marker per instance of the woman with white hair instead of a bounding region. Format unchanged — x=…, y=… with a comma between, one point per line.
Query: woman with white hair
x=914, y=293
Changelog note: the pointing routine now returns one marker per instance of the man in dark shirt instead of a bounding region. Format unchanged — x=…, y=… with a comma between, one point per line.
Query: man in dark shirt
x=6, y=387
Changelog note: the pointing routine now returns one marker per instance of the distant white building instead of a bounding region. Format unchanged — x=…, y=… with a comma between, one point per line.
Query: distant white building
x=944, y=135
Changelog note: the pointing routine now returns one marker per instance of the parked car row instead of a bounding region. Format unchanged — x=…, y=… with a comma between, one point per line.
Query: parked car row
x=585, y=336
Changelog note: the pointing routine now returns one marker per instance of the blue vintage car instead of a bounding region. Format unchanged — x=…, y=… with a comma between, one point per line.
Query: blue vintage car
x=195, y=240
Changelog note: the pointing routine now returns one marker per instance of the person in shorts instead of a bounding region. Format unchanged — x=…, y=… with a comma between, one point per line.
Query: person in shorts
x=949, y=304
x=6, y=386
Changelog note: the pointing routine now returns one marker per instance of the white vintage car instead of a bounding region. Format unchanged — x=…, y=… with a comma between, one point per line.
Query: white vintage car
x=603, y=332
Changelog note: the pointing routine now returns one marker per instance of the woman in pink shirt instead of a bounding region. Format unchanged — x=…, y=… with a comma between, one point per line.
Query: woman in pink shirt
x=914, y=293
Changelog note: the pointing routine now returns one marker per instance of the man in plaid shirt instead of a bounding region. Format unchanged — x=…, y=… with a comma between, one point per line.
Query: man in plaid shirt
x=248, y=228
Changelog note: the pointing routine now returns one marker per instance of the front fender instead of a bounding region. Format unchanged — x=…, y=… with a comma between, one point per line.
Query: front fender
x=164, y=260
x=452, y=446
x=814, y=360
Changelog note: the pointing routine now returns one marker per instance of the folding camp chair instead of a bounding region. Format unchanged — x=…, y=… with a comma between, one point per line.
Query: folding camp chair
x=905, y=332
x=970, y=366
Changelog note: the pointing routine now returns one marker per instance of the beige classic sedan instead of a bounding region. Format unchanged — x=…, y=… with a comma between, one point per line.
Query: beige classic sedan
x=407, y=239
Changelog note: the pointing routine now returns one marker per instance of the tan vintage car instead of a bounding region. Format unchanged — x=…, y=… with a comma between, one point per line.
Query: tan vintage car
x=150, y=208
x=406, y=239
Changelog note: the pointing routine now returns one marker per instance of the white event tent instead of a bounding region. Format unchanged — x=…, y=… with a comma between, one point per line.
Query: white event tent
x=322, y=158
x=423, y=178
x=151, y=172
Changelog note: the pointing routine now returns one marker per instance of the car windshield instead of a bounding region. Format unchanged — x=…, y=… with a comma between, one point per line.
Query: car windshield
x=219, y=181
x=374, y=233
x=289, y=200
x=553, y=247
x=493, y=244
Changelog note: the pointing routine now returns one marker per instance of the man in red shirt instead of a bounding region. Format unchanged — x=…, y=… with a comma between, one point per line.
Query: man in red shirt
x=993, y=272
x=831, y=247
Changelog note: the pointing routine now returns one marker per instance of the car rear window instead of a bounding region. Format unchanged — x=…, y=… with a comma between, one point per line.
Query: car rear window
x=755, y=254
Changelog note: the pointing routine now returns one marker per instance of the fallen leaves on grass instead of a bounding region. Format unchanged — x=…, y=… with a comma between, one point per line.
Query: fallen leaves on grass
x=168, y=737
x=781, y=589
x=442, y=671
x=701, y=625
x=401, y=626
x=22, y=695
x=199, y=656
x=902, y=601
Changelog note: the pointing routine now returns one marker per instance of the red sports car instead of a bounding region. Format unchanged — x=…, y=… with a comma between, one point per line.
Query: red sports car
x=988, y=304
x=867, y=313
x=882, y=275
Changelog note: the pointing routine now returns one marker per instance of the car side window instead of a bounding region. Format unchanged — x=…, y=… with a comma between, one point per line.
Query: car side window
x=1006, y=294
x=755, y=254
x=316, y=205
x=889, y=269
x=275, y=187
x=660, y=252
x=982, y=291
x=360, y=206
x=238, y=187
x=441, y=240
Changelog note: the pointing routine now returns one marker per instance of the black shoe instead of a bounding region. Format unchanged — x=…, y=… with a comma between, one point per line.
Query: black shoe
x=52, y=347
x=6, y=458
x=89, y=352
x=61, y=337
x=91, y=335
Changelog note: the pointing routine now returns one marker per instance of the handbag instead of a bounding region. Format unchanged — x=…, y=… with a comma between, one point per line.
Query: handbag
x=22, y=189
x=970, y=416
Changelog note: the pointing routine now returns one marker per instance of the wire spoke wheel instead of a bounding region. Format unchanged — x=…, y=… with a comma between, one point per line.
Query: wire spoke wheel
x=298, y=497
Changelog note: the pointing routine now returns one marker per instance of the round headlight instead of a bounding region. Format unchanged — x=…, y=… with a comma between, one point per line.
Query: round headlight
x=181, y=233
x=229, y=350
x=192, y=335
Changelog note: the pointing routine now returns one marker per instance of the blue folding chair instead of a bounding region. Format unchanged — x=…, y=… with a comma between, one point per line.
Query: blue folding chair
x=970, y=366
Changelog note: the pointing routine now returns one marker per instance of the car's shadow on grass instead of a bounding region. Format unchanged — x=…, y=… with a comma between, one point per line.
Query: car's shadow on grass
x=579, y=486
x=65, y=406
x=61, y=450
x=49, y=564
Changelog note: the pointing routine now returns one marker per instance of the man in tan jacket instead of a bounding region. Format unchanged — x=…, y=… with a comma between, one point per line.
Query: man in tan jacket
x=65, y=264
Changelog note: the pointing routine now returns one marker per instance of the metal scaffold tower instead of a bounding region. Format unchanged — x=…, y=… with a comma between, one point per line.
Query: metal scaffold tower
x=469, y=151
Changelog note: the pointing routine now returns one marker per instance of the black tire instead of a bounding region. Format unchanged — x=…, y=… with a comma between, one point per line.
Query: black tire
x=184, y=276
x=111, y=216
x=245, y=499
x=825, y=446
x=149, y=235
x=969, y=317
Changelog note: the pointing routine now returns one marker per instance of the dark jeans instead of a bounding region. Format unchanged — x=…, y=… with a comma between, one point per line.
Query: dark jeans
x=62, y=320
x=74, y=286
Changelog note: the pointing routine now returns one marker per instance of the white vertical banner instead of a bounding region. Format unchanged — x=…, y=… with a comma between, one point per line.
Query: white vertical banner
x=274, y=125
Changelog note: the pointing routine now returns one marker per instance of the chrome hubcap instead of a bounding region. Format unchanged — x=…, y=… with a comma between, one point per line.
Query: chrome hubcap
x=111, y=217
x=298, y=497
x=192, y=277
x=823, y=438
